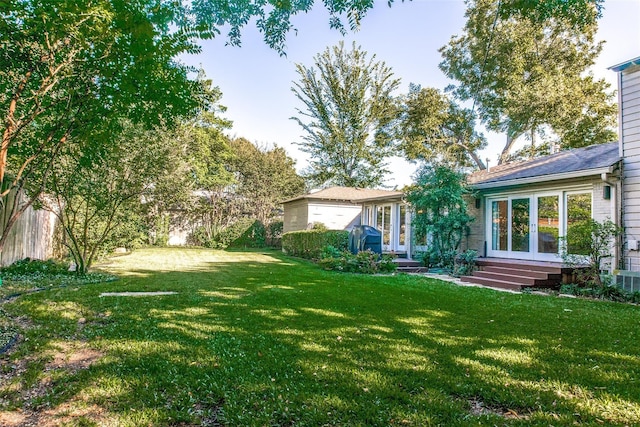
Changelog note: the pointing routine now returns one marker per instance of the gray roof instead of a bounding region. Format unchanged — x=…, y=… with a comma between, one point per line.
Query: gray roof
x=579, y=162
x=348, y=194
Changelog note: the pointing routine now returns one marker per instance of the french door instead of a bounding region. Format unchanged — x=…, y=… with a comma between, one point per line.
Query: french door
x=391, y=220
x=383, y=223
x=524, y=226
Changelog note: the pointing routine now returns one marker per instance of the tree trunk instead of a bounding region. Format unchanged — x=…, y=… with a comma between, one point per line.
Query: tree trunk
x=511, y=139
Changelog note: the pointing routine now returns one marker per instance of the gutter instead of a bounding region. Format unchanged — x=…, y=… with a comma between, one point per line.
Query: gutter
x=544, y=178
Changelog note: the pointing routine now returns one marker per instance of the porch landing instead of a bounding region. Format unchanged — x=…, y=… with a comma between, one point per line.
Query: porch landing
x=517, y=274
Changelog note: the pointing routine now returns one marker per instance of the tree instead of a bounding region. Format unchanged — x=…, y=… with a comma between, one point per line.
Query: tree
x=265, y=178
x=67, y=66
x=348, y=116
x=433, y=128
x=199, y=174
x=588, y=244
x=441, y=217
x=273, y=18
x=95, y=190
x=525, y=68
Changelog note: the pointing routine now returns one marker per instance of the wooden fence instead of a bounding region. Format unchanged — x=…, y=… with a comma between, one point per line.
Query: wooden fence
x=30, y=237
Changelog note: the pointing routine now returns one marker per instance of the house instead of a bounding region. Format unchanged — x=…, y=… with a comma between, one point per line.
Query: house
x=523, y=208
x=629, y=132
x=342, y=208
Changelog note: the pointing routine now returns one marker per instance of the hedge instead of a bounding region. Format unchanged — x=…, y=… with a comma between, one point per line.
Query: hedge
x=309, y=243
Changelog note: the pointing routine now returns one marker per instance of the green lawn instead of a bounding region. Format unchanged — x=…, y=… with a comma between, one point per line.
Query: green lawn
x=256, y=338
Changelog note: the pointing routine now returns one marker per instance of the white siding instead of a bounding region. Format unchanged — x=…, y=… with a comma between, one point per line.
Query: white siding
x=295, y=216
x=298, y=215
x=630, y=125
x=335, y=216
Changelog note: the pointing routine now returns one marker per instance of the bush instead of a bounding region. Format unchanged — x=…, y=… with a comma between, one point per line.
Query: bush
x=434, y=258
x=32, y=272
x=310, y=243
x=465, y=263
x=244, y=233
x=366, y=262
x=35, y=267
x=274, y=234
x=607, y=291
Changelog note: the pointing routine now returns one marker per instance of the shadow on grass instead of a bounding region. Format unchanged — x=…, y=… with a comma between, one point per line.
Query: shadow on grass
x=260, y=339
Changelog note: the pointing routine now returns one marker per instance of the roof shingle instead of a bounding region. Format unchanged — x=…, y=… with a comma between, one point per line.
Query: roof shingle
x=349, y=194
x=577, y=160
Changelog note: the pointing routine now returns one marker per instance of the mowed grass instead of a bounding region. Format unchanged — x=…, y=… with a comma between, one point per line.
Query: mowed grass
x=257, y=338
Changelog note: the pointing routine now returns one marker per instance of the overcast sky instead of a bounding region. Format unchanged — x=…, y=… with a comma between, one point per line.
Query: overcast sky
x=256, y=82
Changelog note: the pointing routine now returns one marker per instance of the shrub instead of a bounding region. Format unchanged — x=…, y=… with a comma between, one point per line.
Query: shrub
x=31, y=267
x=319, y=226
x=438, y=198
x=33, y=272
x=465, y=263
x=245, y=233
x=310, y=243
x=606, y=291
x=593, y=242
x=274, y=234
x=366, y=262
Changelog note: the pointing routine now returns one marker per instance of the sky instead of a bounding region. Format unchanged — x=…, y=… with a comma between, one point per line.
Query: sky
x=256, y=81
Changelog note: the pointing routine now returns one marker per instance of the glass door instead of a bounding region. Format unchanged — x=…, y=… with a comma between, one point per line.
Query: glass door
x=510, y=227
x=383, y=224
x=520, y=226
x=525, y=227
x=401, y=239
x=547, y=227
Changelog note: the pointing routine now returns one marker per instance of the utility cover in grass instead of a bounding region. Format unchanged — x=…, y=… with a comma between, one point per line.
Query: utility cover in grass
x=135, y=294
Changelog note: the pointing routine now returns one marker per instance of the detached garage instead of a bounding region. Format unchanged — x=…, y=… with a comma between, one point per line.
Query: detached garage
x=338, y=208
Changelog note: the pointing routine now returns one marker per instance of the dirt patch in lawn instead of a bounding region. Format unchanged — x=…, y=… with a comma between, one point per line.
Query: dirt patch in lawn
x=68, y=357
x=477, y=408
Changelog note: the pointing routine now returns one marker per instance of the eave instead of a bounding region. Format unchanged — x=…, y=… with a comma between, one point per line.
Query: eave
x=626, y=64
x=545, y=178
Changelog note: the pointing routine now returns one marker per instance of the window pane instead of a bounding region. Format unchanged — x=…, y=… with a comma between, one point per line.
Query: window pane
x=386, y=231
x=578, y=221
x=403, y=226
x=520, y=225
x=548, y=224
x=499, y=225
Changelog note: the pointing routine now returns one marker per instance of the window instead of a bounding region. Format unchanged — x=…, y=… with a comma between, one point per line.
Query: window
x=578, y=219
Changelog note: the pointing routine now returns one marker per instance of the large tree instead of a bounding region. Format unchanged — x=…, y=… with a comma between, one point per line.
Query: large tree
x=67, y=66
x=434, y=129
x=199, y=174
x=526, y=71
x=348, y=116
x=95, y=190
x=265, y=178
x=273, y=18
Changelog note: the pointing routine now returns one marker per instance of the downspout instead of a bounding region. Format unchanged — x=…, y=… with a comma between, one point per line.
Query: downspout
x=615, y=216
x=621, y=152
